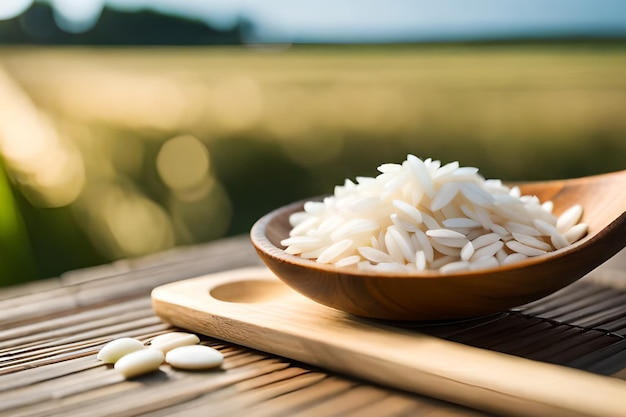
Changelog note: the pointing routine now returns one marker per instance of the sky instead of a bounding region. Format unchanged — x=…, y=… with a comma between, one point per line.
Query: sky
x=368, y=20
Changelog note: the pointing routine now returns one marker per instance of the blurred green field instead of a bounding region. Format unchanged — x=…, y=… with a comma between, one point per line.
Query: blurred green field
x=151, y=148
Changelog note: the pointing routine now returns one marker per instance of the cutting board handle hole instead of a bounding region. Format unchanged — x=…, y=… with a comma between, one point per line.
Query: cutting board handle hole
x=250, y=291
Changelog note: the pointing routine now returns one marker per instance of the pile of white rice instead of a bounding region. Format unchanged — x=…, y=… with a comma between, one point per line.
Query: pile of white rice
x=420, y=215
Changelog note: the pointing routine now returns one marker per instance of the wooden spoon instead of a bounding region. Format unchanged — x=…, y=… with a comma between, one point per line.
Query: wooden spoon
x=435, y=296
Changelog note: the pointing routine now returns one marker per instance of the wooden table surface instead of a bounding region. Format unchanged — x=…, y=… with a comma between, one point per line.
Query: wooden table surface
x=51, y=331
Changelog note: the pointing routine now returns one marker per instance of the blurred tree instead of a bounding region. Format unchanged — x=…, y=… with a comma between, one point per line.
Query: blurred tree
x=145, y=27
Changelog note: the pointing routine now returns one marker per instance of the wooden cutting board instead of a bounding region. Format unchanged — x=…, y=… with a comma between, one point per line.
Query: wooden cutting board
x=253, y=308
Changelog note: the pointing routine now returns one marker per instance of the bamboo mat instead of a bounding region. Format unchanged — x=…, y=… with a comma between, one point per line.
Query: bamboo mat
x=582, y=326
x=50, y=332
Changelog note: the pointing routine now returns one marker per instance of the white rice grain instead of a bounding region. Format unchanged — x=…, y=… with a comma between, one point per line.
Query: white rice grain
x=420, y=260
x=559, y=241
x=409, y=210
x=515, y=192
x=430, y=221
x=516, y=246
x=484, y=263
x=383, y=267
x=461, y=223
x=475, y=194
x=454, y=266
x=403, y=224
x=465, y=174
x=514, y=257
x=393, y=248
x=444, y=196
x=545, y=228
x=483, y=217
x=443, y=260
x=451, y=242
x=334, y=251
x=446, y=249
x=547, y=206
x=514, y=227
x=445, y=171
x=312, y=254
x=299, y=244
x=303, y=225
x=569, y=218
x=425, y=245
x=374, y=255
x=484, y=240
x=389, y=167
x=444, y=233
x=354, y=227
x=402, y=242
x=313, y=207
x=501, y=255
x=423, y=176
x=347, y=261
x=467, y=251
x=531, y=241
x=576, y=232
x=485, y=251
x=500, y=230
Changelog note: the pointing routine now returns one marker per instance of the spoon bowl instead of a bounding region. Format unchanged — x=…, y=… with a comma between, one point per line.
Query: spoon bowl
x=432, y=295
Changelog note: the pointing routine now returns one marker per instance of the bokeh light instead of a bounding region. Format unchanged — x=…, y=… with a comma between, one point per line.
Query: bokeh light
x=47, y=168
x=77, y=16
x=122, y=222
x=11, y=8
x=199, y=204
x=183, y=163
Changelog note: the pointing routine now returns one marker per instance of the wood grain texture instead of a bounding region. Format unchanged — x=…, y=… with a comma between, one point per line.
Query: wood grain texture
x=51, y=331
x=251, y=307
x=432, y=295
